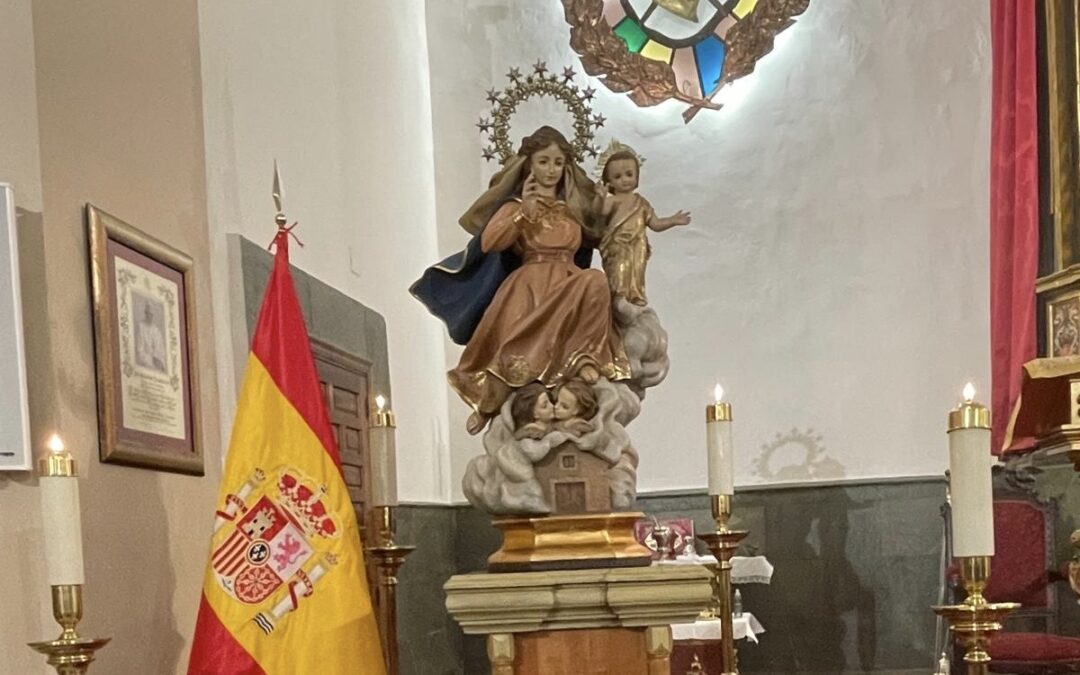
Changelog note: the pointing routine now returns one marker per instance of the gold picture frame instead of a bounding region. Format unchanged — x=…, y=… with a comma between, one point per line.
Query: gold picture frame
x=146, y=348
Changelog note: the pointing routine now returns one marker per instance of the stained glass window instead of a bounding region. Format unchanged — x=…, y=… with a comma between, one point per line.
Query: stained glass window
x=688, y=35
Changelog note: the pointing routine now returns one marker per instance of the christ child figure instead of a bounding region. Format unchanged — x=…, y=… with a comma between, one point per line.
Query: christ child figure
x=624, y=248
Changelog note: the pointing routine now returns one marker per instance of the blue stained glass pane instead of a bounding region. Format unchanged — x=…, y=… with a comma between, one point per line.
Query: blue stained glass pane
x=710, y=63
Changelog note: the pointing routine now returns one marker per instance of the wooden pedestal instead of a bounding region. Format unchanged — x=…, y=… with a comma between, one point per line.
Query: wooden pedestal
x=591, y=651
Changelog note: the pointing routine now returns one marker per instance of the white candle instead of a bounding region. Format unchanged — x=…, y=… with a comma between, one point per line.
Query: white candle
x=383, y=456
x=970, y=482
x=719, y=445
x=60, y=516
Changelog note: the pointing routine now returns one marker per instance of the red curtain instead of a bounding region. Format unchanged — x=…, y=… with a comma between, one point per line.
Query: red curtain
x=1014, y=205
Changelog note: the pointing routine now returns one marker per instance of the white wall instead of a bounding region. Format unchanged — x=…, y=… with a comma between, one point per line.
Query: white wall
x=835, y=278
x=338, y=92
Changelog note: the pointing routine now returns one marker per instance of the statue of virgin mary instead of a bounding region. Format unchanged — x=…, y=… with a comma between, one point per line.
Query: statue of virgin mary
x=521, y=297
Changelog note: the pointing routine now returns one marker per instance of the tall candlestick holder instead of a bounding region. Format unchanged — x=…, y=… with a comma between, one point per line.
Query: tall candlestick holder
x=722, y=544
x=975, y=620
x=389, y=557
x=70, y=653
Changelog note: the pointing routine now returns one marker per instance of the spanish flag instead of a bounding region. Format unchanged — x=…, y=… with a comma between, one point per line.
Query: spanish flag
x=285, y=590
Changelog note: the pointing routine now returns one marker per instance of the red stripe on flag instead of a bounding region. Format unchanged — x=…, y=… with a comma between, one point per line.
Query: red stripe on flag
x=279, y=331
x=230, y=547
x=215, y=650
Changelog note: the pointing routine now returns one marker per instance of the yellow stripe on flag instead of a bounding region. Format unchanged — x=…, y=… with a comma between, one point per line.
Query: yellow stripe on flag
x=286, y=576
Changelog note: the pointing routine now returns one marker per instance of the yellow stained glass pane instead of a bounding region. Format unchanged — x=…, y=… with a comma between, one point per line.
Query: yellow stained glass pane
x=743, y=8
x=656, y=51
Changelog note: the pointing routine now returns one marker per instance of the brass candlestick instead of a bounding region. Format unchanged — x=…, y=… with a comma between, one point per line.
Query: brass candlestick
x=975, y=620
x=722, y=543
x=389, y=558
x=70, y=653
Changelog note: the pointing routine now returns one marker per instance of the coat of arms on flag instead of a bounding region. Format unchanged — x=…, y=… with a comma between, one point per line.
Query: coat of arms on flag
x=277, y=530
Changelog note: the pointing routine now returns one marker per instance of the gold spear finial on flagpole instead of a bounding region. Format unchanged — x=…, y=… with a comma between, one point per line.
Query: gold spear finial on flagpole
x=279, y=218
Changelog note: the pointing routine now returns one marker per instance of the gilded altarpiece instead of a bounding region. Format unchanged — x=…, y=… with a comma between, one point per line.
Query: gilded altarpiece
x=1058, y=286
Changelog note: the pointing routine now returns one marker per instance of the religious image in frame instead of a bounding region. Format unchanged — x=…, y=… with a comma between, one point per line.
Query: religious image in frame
x=144, y=334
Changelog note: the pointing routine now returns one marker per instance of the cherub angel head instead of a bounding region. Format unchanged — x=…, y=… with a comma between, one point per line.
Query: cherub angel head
x=575, y=400
x=532, y=404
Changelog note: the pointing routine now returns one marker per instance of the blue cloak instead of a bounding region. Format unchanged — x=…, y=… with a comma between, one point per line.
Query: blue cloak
x=459, y=289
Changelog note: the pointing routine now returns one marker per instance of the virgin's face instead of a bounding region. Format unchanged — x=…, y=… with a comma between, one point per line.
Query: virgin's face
x=547, y=166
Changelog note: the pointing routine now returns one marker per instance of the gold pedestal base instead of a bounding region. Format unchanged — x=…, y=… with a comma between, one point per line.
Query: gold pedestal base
x=975, y=620
x=973, y=624
x=568, y=542
x=70, y=657
x=70, y=654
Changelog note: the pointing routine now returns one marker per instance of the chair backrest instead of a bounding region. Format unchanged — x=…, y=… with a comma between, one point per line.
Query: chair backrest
x=1023, y=550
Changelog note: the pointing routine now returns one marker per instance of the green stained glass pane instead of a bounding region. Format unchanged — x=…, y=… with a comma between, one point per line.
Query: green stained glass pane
x=631, y=33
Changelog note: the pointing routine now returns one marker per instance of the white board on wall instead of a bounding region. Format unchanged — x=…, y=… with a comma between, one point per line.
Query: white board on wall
x=14, y=412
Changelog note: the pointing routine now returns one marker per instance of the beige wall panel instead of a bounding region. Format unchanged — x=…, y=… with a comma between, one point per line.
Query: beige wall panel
x=119, y=111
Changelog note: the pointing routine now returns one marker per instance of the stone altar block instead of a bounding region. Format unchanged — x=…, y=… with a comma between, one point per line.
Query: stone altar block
x=593, y=620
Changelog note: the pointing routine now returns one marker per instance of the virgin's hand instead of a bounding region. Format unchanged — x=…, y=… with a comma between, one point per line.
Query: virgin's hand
x=530, y=198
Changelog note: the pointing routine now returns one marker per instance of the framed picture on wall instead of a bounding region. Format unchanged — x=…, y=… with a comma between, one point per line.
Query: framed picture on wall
x=14, y=411
x=144, y=341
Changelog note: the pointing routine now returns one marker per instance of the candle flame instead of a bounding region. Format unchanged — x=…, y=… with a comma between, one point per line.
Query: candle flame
x=969, y=392
x=718, y=392
x=55, y=444
x=380, y=402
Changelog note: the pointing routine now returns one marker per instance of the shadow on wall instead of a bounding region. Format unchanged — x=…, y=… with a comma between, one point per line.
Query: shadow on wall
x=796, y=456
x=130, y=579
x=819, y=613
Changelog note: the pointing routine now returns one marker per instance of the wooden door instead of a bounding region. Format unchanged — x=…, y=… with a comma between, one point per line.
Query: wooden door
x=345, y=384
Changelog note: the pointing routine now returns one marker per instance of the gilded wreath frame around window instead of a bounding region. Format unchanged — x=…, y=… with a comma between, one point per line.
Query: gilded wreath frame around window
x=686, y=50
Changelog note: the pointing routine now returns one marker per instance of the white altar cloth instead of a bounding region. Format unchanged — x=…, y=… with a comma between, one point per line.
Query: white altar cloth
x=744, y=570
x=744, y=626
